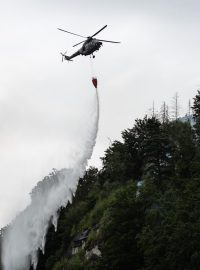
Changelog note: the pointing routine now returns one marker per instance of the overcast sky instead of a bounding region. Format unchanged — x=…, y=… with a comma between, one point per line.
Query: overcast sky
x=44, y=103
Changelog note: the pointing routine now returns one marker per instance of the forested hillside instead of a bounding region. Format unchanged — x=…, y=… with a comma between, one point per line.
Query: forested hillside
x=141, y=210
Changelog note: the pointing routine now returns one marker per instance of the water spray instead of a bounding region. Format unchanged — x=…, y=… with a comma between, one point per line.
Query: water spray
x=26, y=234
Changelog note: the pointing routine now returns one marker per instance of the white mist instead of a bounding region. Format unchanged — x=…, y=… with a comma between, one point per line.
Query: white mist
x=27, y=232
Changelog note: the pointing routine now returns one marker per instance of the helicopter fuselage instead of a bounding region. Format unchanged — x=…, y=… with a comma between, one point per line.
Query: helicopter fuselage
x=90, y=46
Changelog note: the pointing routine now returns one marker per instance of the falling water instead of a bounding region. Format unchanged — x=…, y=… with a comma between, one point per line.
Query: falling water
x=27, y=232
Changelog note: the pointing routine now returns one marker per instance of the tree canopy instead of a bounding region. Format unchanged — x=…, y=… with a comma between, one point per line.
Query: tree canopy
x=145, y=202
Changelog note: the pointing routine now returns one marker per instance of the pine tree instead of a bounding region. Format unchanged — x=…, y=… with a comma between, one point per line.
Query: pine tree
x=196, y=115
x=149, y=143
x=120, y=163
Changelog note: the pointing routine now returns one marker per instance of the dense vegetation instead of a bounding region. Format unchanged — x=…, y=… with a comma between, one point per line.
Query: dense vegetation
x=142, y=209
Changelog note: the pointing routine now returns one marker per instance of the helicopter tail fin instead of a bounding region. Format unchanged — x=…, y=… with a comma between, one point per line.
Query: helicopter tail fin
x=65, y=57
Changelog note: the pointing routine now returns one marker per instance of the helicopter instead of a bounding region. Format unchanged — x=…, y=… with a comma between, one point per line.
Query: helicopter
x=90, y=45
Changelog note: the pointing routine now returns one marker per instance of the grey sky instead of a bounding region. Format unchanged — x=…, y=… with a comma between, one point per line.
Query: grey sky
x=44, y=102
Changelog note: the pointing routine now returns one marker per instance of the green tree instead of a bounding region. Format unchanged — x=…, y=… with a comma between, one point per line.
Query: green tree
x=115, y=163
x=196, y=115
x=119, y=227
x=86, y=184
x=183, y=149
x=147, y=141
x=170, y=238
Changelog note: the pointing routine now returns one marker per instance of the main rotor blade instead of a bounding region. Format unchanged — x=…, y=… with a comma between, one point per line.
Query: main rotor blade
x=99, y=31
x=78, y=43
x=71, y=33
x=108, y=41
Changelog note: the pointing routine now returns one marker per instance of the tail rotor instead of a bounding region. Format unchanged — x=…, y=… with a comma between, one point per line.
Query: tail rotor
x=63, y=55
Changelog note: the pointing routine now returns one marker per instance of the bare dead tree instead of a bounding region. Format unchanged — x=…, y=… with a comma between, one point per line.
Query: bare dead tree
x=164, y=113
x=175, y=106
x=153, y=112
x=189, y=108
